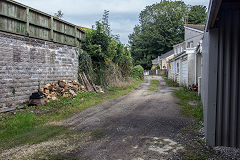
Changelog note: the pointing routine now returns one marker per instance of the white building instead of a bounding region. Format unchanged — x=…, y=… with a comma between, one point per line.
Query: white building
x=184, y=67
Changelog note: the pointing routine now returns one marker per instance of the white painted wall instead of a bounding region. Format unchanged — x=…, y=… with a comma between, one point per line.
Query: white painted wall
x=184, y=71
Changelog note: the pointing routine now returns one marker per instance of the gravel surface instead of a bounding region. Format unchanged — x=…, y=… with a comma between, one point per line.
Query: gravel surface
x=140, y=125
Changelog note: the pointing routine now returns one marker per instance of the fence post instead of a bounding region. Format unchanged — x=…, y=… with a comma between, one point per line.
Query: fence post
x=51, y=26
x=27, y=24
x=76, y=41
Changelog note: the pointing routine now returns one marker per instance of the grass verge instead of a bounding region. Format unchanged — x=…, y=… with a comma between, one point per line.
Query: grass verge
x=187, y=96
x=31, y=125
x=170, y=82
x=195, y=148
x=154, y=85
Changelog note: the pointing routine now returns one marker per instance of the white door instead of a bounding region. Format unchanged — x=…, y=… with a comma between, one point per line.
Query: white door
x=184, y=73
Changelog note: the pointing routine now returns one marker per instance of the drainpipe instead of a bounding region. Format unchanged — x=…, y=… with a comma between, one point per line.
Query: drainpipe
x=196, y=77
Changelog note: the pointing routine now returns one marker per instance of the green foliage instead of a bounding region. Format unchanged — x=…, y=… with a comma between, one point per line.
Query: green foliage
x=32, y=126
x=137, y=72
x=108, y=59
x=158, y=67
x=192, y=111
x=197, y=14
x=170, y=82
x=17, y=124
x=85, y=63
x=105, y=23
x=161, y=27
x=154, y=85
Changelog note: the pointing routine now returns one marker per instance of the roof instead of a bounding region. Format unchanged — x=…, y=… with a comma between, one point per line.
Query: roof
x=178, y=56
x=155, y=61
x=83, y=27
x=182, y=43
x=213, y=10
x=199, y=27
x=166, y=55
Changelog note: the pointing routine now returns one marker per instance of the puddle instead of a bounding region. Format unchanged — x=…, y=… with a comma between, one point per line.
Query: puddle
x=193, y=103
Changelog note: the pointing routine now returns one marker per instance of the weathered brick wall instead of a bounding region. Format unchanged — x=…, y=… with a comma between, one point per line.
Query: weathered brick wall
x=25, y=63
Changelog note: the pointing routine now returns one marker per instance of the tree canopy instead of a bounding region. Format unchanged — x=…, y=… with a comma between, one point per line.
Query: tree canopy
x=197, y=14
x=161, y=26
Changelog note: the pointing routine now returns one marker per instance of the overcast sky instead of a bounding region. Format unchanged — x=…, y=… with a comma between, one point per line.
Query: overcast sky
x=123, y=13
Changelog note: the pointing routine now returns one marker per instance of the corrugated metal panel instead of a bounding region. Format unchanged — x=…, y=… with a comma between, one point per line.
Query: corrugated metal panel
x=228, y=96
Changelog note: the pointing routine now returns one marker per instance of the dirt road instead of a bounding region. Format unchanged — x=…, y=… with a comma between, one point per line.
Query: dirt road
x=140, y=125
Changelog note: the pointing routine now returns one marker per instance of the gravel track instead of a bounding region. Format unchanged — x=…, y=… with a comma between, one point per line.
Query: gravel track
x=140, y=125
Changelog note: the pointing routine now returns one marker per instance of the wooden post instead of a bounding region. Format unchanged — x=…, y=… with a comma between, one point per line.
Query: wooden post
x=76, y=40
x=27, y=24
x=90, y=88
x=91, y=82
x=51, y=33
x=83, y=81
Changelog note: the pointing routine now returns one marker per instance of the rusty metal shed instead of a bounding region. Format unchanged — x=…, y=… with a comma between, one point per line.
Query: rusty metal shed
x=221, y=75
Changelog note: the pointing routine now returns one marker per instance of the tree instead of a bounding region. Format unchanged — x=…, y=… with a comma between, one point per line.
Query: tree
x=161, y=26
x=105, y=23
x=59, y=14
x=197, y=14
x=109, y=57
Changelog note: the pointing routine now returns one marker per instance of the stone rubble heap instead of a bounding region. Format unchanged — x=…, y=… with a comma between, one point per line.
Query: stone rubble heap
x=62, y=88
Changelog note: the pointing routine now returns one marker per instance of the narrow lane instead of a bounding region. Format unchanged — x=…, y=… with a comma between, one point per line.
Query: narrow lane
x=139, y=126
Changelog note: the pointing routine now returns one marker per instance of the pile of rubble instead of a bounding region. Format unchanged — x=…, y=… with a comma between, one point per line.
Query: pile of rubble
x=63, y=88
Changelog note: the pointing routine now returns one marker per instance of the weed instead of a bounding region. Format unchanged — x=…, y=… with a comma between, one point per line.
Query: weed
x=154, y=85
x=192, y=111
x=170, y=82
x=97, y=134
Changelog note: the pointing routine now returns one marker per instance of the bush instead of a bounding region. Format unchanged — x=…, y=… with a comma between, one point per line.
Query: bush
x=138, y=72
x=105, y=58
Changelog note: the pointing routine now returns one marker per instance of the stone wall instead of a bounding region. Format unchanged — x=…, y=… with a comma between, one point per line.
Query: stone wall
x=27, y=63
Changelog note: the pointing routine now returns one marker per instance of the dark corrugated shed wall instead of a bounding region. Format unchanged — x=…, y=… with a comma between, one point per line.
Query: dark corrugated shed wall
x=228, y=80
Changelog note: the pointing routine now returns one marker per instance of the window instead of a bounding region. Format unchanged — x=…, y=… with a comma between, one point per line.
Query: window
x=190, y=44
x=177, y=67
